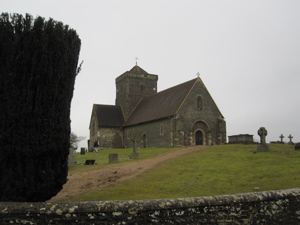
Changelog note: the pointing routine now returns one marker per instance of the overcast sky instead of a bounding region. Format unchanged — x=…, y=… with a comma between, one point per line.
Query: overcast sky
x=247, y=52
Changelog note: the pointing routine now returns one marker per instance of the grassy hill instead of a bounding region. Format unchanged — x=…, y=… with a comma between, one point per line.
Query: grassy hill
x=101, y=157
x=216, y=170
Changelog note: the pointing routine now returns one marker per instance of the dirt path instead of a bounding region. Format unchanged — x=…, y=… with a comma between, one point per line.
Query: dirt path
x=83, y=182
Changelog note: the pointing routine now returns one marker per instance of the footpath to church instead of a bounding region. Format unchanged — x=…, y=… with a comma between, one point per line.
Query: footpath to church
x=82, y=182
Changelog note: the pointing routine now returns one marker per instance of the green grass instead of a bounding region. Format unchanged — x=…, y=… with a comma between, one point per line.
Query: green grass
x=217, y=170
x=101, y=157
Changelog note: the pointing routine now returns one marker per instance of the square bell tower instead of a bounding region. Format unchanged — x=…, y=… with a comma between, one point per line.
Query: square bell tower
x=132, y=86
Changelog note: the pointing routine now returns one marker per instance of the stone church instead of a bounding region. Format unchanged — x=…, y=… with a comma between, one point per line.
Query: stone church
x=182, y=115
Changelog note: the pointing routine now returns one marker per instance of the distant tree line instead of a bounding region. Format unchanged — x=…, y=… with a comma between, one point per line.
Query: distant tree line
x=38, y=67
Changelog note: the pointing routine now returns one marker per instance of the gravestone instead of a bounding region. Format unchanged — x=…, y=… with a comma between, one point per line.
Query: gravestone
x=262, y=147
x=281, y=138
x=82, y=151
x=71, y=157
x=291, y=141
x=134, y=154
x=113, y=158
x=89, y=162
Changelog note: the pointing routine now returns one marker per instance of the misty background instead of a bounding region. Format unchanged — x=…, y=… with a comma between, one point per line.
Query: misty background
x=247, y=54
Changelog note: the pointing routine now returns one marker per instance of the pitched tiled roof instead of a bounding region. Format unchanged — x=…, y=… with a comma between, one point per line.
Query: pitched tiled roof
x=161, y=105
x=109, y=115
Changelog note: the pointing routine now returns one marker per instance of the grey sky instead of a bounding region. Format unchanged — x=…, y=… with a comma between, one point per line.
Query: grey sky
x=247, y=52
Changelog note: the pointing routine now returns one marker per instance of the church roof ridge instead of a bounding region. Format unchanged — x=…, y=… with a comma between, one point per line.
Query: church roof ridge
x=137, y=69
x=108, y=115
x=160, y=105
x=136, y=72
x=192, y=80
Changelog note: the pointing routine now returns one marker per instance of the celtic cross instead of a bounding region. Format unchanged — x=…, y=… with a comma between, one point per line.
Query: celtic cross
x=262, y=132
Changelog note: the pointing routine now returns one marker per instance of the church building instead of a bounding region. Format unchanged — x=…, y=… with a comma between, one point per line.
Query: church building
x=182, y=115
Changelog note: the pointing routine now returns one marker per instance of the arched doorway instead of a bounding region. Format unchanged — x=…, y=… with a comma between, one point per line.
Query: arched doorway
x=201, y=133
x=198, y=138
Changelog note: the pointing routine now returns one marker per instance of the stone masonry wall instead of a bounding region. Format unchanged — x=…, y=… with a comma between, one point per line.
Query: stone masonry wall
x=156, y=134
x=179, y=130
x=270, y=207
x=131, y=87
x=208, y=113
x=107, y=138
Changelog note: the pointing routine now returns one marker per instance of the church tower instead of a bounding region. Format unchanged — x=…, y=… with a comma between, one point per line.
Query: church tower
x=133, y=85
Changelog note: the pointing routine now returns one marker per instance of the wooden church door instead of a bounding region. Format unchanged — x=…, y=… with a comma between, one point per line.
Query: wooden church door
x=198, y=137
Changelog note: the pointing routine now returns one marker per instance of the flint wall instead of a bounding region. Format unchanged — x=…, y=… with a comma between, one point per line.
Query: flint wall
x=270, y=207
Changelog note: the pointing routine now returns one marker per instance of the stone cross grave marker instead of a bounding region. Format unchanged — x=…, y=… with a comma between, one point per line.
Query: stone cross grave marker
x=281, y=138
x=134, y=154
x=262, y=132
x=291, y=141
x=262, y=147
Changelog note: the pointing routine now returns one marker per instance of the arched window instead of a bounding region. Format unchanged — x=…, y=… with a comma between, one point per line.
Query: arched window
x=94, y=129
x=199, y=103
x=142, y=87
x=161, y=129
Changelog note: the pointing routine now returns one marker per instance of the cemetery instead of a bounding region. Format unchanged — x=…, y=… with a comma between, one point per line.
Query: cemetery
x=43, y=180
x=267, y=206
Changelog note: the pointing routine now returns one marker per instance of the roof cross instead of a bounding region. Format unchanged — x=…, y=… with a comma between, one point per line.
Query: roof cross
x=198, y=74
x=136, y=59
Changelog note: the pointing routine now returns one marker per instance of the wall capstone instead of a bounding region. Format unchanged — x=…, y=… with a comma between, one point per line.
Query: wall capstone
x=269, y=207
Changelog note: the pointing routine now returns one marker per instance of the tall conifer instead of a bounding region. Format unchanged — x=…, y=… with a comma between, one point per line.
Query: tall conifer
x=38, y=66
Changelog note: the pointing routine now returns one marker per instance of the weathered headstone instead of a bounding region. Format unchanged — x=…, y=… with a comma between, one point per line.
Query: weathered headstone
x=71, y=157
x=134, y=154
x=82, y=151
x=281, y=138
x=113, y=158
x=262, y=147
x=89, y=162
x=291, y=141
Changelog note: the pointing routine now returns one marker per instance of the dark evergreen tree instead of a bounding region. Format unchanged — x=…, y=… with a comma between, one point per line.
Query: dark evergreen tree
x=38, y=66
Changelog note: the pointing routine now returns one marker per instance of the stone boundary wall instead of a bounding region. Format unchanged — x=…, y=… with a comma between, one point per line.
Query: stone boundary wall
x=269, y=207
